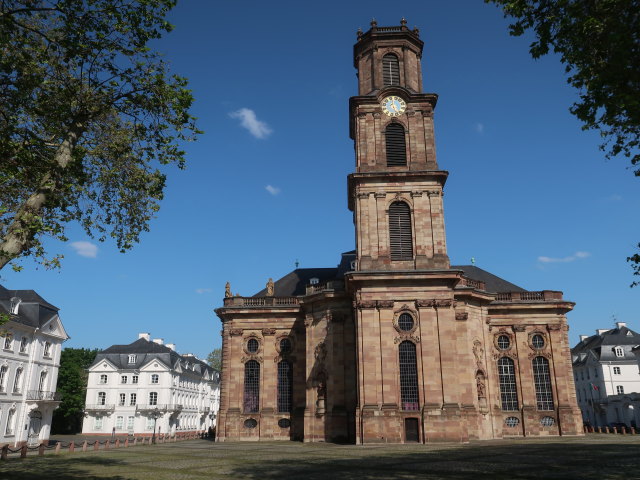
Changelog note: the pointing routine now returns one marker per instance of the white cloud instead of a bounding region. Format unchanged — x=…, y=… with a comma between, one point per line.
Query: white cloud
x=249, y=121
x=85, y=249
x=479, y=127
x=203, y=290
x=571, y=258
x=272, y=190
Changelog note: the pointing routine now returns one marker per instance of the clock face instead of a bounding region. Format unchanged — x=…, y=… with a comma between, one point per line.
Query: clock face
x=393, y=106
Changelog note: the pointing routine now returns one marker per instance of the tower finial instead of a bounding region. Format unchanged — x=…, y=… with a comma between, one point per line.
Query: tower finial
x=374, y=23
x=359, y=33
x=403, y=22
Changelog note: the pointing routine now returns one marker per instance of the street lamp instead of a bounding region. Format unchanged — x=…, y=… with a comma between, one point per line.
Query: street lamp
x=155, y=414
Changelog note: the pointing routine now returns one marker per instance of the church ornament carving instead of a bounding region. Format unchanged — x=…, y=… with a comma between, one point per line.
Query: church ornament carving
x=235, y=332
x=270, y=287
x=519, y=328
x=502, y=331
x=462, y=316
x=544, y=338
x=320, y=352
x=443, y=303
x=385, y=304
x=405, y=309
x=554, y=327
x=227, y=290
x=246, y=358
x=367, y=304
x=416, y=193
x=533, y=355
x=406, y=336
x=308, y=320
x=478, y=354
x=424, y=303
x=268, y=331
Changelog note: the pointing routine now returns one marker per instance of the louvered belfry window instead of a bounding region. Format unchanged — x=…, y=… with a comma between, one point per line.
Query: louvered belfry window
x=251, y=386
x=400, y=237
x=390, y=70
x=408, y=375
x=396, y=145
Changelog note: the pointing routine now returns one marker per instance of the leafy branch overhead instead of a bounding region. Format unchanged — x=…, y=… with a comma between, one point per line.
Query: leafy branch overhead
x=89, y=114
x=599, y=43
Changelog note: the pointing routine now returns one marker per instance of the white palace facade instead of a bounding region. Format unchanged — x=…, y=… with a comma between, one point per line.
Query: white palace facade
x=147, y=386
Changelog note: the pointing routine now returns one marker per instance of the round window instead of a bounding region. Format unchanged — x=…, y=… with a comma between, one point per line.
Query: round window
x=547, y=421
x=284, y=423
x=252, y=345
x=512, y=421
x=250, y=423
x=503, y=342
x=285, y=345
x=537, y=341
x=405, y=322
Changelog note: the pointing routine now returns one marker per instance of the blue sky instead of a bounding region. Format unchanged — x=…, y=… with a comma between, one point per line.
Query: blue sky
x=529, y=195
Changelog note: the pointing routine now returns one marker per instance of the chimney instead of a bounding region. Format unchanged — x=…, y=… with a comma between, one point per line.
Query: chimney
x=159, y=341
x=600, y=331
x=583, y=337
x=172, y=346
x=619, y=325
x=146, y=336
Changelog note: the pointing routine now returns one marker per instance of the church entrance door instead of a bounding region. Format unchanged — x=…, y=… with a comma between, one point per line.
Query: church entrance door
x=411, y=433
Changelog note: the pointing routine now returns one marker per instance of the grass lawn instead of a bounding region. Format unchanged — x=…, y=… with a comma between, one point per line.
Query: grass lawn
x=597, y=457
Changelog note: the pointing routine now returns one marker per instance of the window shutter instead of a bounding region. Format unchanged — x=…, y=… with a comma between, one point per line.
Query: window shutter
x=396, y=146
x=390, y=70
x=400, y=237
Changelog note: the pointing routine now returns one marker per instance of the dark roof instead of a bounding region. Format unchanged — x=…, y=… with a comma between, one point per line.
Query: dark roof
x=34, y=311
x=146, y=351
x=493, y=283
x=602, y=345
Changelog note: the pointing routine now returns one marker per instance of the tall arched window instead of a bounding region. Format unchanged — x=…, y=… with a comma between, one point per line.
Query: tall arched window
x=251, y=386
x=408, y=376
x=542, y=382
x=508, y=389
x=390, y=70
x=396, y=145
x=285, y=386
x=400, y=238
x=17, y=381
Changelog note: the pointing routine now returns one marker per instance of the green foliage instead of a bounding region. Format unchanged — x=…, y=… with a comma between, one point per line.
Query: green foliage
x=214, y=359
x=72, y=385
x=599, y=43
x=89, y=116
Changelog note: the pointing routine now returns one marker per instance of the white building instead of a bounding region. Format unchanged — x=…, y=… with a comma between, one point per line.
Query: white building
x=31, y=343
x=607, y=377
x=146, y=385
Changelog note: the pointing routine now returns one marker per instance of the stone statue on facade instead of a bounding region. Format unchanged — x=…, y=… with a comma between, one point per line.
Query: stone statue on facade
x=270, y=287
x=227, y=290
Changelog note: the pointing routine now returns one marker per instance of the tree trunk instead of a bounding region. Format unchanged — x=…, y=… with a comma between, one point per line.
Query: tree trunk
x=25, y=225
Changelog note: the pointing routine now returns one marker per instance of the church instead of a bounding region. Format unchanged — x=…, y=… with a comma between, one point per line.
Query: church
x=395, y=345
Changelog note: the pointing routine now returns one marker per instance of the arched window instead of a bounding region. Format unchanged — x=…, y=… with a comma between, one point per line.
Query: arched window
x=251, y=386
x=10, y=421
x=396, y=145
x=400, y=238
x=17, y=381
x=42, y=384
x=390, y=70
x=285, y=386
x=3, y=377
x=508, y=390
x=408, y=376
x=542, y=382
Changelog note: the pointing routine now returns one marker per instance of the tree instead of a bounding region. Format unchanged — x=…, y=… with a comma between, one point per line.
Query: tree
x=89, y=114
x=214, y=359
x=72, y=385
x=599, y=43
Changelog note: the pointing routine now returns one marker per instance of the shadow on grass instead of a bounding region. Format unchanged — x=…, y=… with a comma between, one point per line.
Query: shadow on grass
x=477, y=462
x=49, y=467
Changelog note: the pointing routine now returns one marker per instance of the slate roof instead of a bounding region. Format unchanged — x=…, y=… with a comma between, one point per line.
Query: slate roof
x=294, y=283
x=34, y=311
x=147, y=351
x=602, y=345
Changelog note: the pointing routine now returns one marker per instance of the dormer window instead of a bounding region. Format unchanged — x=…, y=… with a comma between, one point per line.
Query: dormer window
x=15, y=304
x=314, y=281
x=619, y=351
x=8, y=341
x=132, y=358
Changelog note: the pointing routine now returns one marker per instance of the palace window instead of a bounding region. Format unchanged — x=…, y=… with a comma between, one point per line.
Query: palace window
x=390, y=70
x=102, y=398
x=619, y=389
x=132, y=358
x=3, y=376
x=285, y=386
x=123, y=399
x=24, y=343
x=155, y=378
x=8, y=341
x=396, y=145
x=616, y=370
x=251, y=386
x=508, y=389
x=17, y=381
x=133, y=397
x=153, y=398
x=123, y=379
x=119, y=422
x=130, y=420
x=134, y=379
x=10, y=421
x=542, y=382
x=42, y=384
x=400, y=237
x=619, y=352
x=408, y=376
x=47, y=349
x=97, y=424
x=103, y=379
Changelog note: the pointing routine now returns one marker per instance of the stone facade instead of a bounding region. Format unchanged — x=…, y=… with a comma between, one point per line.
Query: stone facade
x=395, y=344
